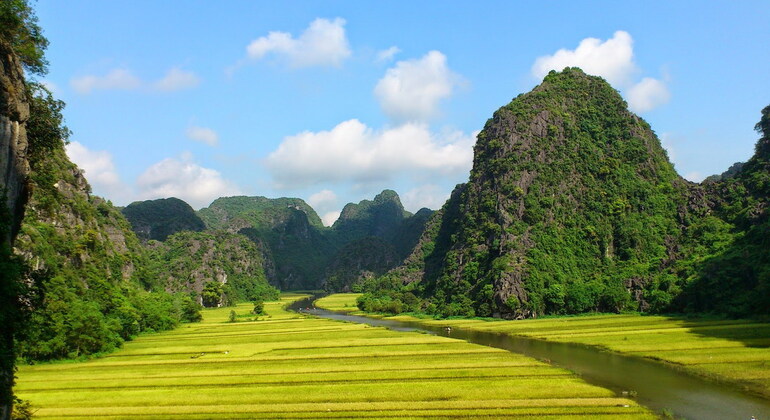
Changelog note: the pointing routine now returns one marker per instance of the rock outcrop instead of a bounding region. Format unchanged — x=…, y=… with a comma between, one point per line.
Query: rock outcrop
x=14, y=112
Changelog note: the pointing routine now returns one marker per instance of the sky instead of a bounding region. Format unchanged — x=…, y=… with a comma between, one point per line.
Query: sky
x=335, y=101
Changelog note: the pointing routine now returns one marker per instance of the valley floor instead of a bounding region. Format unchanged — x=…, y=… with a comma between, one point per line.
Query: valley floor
x=731, y=351
x=287, y=365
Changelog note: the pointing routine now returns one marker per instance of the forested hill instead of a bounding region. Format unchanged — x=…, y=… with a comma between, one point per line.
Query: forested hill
x=572, y=205
x=157, y=219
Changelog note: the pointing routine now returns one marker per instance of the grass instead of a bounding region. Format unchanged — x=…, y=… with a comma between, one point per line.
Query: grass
x=285, y=365
x=729, y=351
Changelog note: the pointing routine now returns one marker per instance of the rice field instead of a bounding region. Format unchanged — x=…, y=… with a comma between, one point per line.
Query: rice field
x=286, y=365
x=731, y=351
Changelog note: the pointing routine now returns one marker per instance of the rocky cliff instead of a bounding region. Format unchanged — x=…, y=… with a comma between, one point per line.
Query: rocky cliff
x=14, y=112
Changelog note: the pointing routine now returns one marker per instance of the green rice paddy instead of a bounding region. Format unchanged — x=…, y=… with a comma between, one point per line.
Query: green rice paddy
x=286, y=365
x=730, y=351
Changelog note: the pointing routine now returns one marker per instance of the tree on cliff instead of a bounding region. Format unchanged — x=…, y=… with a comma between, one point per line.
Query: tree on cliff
x=19, y=28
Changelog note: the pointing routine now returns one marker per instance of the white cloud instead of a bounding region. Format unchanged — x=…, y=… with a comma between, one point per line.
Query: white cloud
x=51, y=86
x=323, y=198
x=388, y=54
x=99, y=170
x=184, y=179
x=351, y=151
x=177, y=79
x=124, y=79
x=203, y=135
x=694, y=176
x=329, y=218
x=613, y=60
x=116, y=79
x=323, y=43
x=667, y=140
x=413, y=89
x=428, y=195
x=647, y=95
x=325, y=202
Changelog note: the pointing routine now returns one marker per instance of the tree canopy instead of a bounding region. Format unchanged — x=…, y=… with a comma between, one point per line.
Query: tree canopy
x=19, y=28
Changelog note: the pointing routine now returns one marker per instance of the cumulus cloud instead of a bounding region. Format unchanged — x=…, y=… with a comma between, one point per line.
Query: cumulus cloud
x=116, y=79
x=646, y=95
x=177, y=79
x=325, y=203
x=388, y=54
x=99, y=170
x=613, y=60
x=203, y=135
x=323, y=198
x=323, y=43
x=51, y=86
x=694, y=176
x=124, y=79
x=351, y=151
x=329, y=218
x=182, y=178
x=428, y=195
x=413, y=89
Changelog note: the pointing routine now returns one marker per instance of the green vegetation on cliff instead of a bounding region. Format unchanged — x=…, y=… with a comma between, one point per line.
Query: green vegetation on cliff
x=199, y=262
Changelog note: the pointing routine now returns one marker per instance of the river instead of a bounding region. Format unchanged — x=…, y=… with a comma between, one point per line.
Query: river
x=652, y=384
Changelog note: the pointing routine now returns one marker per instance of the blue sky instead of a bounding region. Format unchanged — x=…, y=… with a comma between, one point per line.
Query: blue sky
x=334, y=101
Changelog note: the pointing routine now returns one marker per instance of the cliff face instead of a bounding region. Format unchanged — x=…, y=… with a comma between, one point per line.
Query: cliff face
x=14, y=168
x=14, y=112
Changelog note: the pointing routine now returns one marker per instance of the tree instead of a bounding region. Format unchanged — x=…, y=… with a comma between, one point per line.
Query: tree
x=19, y=28
x=259, y=308
x=211, y=295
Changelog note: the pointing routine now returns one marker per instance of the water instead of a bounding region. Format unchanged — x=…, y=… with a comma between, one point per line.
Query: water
x=656, y=386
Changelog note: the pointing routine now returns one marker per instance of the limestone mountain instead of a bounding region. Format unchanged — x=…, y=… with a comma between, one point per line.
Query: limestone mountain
x=289, y=230
x=572, y=205
x=157, y=219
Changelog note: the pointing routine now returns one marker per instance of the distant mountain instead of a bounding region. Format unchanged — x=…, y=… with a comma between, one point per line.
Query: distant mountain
x=300, y=253
x=157, y=219
x=731, y=172
x=289, y=230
